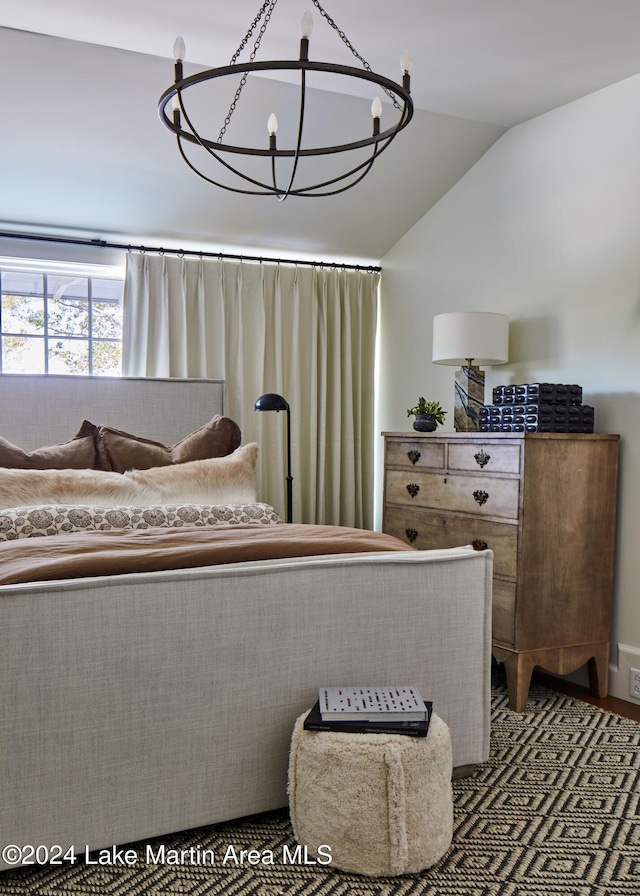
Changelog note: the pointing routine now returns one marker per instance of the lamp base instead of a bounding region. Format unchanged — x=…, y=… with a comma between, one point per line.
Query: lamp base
x=469, y=398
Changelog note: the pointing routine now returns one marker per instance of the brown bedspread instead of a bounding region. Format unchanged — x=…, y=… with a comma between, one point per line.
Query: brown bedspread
x=81, y=554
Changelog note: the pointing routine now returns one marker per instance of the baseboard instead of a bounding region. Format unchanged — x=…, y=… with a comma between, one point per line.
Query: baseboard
x=563, y=685
x=628, y=658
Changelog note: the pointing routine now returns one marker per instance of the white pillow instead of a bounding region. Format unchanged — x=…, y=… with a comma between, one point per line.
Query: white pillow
x=216, y=480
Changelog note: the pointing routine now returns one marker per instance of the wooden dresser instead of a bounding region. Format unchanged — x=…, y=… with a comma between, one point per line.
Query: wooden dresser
x=545, y=504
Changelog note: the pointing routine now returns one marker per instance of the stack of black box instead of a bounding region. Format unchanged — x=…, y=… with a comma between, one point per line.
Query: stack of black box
x=537, y=407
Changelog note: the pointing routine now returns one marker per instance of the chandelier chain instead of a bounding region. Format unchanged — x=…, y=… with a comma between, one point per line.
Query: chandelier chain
x=266, y=10
x=350, y=46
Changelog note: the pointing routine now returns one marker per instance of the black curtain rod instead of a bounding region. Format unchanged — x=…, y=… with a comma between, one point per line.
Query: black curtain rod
x=104, y=244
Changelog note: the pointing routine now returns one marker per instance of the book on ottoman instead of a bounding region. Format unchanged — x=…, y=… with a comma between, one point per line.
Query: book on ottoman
x=412, y=728
x=383, y=710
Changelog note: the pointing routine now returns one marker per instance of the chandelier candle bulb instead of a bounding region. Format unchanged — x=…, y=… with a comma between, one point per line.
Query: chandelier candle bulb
x=306, y=26
x=178, y=55
x=376, y=111
x=175, y=107
x=179, y=49
x=272, y=125
x=406, y=63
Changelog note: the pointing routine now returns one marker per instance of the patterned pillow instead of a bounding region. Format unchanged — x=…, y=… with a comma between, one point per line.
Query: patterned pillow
x=32, y=522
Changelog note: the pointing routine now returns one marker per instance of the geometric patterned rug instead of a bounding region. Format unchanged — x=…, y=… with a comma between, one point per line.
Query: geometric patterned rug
x=555, y=811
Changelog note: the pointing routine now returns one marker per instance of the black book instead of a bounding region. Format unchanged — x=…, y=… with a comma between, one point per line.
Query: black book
x=412, y=728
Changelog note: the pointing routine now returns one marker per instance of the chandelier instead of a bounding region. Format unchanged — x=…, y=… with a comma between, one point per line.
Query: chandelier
x=285, y=167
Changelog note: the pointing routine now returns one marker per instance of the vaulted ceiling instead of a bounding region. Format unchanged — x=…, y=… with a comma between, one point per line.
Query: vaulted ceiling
x=83, y=151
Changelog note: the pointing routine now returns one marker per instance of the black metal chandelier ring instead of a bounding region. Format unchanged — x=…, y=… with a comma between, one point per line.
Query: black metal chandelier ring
x=176, y=89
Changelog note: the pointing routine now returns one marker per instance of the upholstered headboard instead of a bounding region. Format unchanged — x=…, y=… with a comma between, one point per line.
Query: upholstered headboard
x=46, y=410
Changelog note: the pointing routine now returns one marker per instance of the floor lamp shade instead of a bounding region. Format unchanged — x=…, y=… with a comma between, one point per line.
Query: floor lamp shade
x=470, y=339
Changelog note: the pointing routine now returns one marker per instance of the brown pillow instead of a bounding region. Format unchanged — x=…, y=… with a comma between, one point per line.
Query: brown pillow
x=121, y=451
x=78, y=454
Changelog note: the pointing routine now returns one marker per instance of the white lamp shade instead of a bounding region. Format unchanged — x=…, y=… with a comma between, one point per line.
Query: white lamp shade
x=481, y=336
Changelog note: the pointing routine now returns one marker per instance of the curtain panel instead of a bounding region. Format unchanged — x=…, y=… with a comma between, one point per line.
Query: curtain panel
x=307, y=333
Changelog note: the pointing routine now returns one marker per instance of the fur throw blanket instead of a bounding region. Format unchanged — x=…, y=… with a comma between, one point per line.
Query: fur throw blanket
x=218, y=480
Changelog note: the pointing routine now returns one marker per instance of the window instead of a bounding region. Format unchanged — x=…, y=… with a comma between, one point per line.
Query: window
x=60, y=318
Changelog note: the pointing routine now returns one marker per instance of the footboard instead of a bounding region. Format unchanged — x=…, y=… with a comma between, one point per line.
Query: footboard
x=149, y=703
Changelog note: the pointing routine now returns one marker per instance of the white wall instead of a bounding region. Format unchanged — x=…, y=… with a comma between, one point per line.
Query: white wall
x=544, y=228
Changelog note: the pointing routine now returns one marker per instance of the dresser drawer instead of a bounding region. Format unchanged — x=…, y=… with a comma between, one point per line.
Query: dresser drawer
x=415, y=453
x=503, y=615
x=427, y=530
x=490, y=457
x=477, y=495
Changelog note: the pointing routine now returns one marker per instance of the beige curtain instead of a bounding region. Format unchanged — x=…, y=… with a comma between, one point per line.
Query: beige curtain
x=307, y=333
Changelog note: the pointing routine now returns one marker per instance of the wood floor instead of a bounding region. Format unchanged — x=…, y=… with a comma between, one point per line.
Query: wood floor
x=612, y=704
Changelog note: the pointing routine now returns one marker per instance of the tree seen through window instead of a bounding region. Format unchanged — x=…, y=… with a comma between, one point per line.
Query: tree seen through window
x=65, y=321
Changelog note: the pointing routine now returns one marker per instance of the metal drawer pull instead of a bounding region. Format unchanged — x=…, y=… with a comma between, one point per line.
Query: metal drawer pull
x=482, y=458
x=479, y=545
x=411, y=534
x=414, y=456
x=413, y=488
x=481, y=497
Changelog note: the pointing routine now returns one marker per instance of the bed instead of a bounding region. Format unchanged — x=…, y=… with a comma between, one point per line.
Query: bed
x=138, y=703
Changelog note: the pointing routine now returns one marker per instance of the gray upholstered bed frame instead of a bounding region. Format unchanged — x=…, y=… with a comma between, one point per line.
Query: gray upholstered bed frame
x=47, y=410
x=142, y=704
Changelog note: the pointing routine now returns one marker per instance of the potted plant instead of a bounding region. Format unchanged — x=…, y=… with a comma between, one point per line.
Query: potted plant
x=427, y=413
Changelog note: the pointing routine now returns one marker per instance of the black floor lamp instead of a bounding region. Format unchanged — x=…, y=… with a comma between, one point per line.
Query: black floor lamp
x=273, y=402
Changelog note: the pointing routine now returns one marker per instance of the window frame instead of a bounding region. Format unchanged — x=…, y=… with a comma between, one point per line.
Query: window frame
x=46, y=268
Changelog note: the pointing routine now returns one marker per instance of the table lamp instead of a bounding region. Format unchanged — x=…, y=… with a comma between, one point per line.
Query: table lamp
x=470, y=339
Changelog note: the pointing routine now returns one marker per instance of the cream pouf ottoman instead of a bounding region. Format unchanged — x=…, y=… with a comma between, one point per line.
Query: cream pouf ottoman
x=382, y=803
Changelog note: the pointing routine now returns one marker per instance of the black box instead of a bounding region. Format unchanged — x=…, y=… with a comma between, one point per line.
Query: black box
x=538, y=393
x=537, y=418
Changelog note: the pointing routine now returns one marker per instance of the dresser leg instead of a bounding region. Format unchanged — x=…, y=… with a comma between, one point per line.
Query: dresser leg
x=560, y=661
x=519, y=681
x=519, y=668
x=599, y=672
